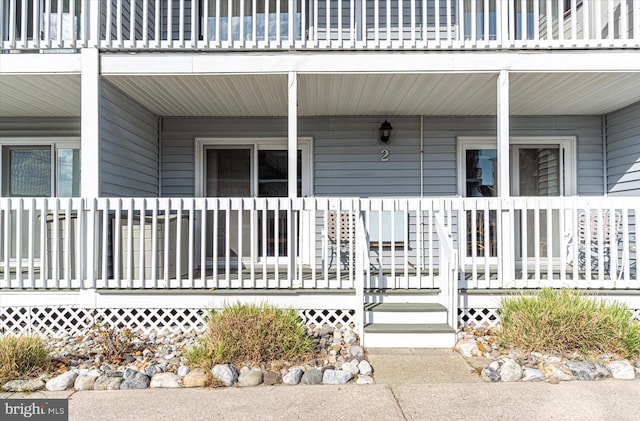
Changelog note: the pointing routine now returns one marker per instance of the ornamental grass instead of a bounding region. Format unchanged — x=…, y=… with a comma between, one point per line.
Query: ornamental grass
x=22, y=357
x=567, y=321
x=257, y=333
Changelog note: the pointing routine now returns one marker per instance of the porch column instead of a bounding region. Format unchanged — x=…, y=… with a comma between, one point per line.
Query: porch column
x=506, y=270
x=292, y=174
x=89, y=149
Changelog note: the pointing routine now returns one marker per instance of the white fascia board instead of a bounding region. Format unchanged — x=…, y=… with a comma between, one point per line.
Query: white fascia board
x=40, y=63
x=370, y=62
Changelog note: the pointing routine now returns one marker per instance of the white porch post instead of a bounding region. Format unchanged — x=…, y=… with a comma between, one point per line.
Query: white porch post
x=89, y=149
x=292, y=172
x=506, y=269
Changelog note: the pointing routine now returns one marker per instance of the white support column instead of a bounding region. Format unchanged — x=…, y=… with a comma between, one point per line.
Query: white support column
x=506, y=256
x=89, y=150
x=292, y=172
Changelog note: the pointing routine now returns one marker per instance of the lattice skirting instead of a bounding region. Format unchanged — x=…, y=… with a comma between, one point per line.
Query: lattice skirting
x=71, y=320
x=489, y=318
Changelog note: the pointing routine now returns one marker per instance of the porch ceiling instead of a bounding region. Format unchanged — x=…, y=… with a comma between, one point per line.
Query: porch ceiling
x=464, y=94
x=36, y=95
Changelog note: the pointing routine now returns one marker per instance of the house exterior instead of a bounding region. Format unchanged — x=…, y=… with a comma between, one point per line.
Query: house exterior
x=398, y=165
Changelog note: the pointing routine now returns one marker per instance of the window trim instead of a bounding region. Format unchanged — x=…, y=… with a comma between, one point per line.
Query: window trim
x=54, y=143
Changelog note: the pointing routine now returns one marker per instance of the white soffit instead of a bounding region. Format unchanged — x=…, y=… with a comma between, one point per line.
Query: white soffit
x=572, y=93
x=39, y=95
x=397, y=94
x=208, y=95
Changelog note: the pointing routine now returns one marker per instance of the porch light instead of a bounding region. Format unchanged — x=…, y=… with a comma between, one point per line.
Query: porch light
x=385, y=131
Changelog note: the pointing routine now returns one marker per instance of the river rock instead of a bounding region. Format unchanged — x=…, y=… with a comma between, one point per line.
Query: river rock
x=63, y=382
x=365, y=368
x=183, y=370
x=29, y=385
x=312, y=376
x=195, y=378
x=250, y=378
x=556, y=370
x=467, y=347
x=356, y=351
x=108, y=383
x=293, y=376
x=621, y=370
x=489, y=375
x=510, y=371
x=351, y=368
x=135, y=380
x=165, y=381
x=364, y=379
x=225, y=373
x=532, y=375
x=336, y=377
x=86, y=381
x=349, y=337
x=271, y=378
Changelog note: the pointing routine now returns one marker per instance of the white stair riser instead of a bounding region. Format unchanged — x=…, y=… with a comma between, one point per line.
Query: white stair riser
x=396, y=317
x=409, y=340
x=399, y=298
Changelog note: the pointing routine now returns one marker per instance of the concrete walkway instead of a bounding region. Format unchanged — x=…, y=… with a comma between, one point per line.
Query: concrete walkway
x=411, y=385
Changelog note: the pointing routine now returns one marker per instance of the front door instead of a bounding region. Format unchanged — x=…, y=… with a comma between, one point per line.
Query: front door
x=250, y=169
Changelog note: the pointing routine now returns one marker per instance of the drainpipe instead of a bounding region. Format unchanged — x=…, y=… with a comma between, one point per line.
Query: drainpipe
x=604, y=153
x=422, y=155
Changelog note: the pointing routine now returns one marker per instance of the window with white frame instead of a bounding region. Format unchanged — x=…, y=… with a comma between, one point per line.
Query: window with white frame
x=39, y=167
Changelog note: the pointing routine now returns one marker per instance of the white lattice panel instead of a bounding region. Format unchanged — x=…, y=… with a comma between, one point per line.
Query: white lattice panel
x=153, y=320
x=335, y=318
x=635, y=314
x=476, y=317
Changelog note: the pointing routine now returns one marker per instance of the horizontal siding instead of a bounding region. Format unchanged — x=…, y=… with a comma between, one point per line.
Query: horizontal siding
x=128, y=146
x=40, y=127
x=623, y=151
x=347, y=150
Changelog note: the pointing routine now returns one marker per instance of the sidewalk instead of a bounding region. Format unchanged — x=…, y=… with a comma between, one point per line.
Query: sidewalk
x=411, y=385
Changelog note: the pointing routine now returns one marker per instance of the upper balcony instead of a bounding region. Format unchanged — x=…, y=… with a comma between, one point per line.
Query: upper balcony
x=42, y=25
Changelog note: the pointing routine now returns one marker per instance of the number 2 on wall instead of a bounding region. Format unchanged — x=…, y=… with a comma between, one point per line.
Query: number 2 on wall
x=385, y=155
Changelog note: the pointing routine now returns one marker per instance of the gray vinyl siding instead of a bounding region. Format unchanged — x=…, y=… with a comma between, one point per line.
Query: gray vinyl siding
x=623, y=151
x=40, y=127
x=128, y=146
x=347, y=152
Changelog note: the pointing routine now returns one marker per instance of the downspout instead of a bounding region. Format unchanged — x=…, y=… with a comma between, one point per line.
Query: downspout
x=422, y=155
x=604, y=153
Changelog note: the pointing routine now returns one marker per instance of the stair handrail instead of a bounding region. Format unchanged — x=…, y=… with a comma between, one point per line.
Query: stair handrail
x=362, y=265
x=448, y=268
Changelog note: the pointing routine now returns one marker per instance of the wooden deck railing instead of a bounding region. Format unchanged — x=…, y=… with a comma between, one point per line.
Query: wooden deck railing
x=319, y=24
x=319, y=243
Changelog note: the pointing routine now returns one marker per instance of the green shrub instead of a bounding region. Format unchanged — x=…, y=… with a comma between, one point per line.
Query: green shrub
x=22, y=356
x=566, y=321
x=256, y=333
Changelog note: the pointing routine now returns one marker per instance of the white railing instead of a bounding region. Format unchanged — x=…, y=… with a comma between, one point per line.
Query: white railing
x=319, y=24
x=448, y=265
x=321, y=243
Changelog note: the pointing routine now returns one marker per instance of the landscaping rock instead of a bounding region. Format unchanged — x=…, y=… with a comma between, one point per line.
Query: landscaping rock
x=364, y=379
x=271, y=378
x=349, y=337
x=510, y=371
x=86, y=381
x=467, y=348
x=293, y=376
x=336, y=377
x=365, y=368
x=351, y=368
x=30, y=385
x=312, y=376
x=108, y=383
x=585, y=370
x=532, y=375
x=183, y=370
x=195, y=378
x=250, y=378
x=621, y=370
x=165, y=381
x=135, y=380
x=62, y=382
x=225, y=373
x=356, y=351
x=556, y=370
x=489, y=375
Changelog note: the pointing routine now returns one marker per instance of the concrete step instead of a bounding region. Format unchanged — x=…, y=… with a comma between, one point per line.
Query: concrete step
x=395, y=335
x=405, y=313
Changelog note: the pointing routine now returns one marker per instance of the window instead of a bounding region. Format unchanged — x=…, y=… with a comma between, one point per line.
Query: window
x=40, y=168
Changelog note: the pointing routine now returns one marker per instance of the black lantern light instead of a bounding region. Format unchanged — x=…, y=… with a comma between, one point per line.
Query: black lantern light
x=385, y=131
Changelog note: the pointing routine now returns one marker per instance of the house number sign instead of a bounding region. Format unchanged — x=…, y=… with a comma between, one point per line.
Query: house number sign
x=385, y=155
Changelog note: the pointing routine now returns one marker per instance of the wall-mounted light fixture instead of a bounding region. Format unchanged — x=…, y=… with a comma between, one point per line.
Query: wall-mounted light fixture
x=385, y=131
